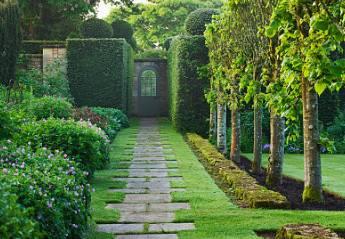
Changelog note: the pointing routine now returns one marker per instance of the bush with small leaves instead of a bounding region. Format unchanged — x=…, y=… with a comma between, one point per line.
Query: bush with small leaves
x=85, y=143
x=48, y=106
x=196, y=21
x=96, y=28
x=15, y=221
x=51, y=186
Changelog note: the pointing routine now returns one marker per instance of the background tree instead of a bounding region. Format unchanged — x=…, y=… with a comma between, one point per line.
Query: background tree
x=154, y=22
x=56, y=19
x=310, y=31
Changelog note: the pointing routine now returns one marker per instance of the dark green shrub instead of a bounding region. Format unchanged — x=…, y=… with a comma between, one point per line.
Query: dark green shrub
x=86, y=144
x=196, y=21
x=189, y=110
x=122, y=29
x=167, y=43
x=113, y=115
x=100, y=72
x=36, y=46
x=48, y=106
x=96, y=28
x=10, y=38
x=6, y=124
x=15, y=221
x=51, y=185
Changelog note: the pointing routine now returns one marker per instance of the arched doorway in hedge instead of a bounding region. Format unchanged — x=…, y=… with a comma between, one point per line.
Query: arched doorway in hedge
x=150, y=88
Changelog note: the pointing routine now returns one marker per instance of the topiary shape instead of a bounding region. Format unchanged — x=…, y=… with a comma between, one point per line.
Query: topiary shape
x=122, y=29
x=96, y=28
x=196, y=21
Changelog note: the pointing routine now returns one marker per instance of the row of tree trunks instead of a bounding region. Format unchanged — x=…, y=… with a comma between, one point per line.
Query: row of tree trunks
x=312, y=162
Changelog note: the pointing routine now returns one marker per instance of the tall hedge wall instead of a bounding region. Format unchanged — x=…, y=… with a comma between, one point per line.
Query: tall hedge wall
x=189, y=110
x=100, y=72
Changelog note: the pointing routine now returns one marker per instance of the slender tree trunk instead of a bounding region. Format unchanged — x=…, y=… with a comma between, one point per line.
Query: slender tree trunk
x=221, y=128
x=312, y=161
x=256, y=167
x=213, y=124
x=235, y=153
x=276, y=159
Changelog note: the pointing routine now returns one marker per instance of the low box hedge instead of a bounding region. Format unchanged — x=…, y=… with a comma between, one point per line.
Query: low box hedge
x=305, y=231
x=245, y=187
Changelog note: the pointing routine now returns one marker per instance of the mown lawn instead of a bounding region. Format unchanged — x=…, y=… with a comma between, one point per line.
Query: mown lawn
x=333, y=169
x=215, y=215
x=103, y=180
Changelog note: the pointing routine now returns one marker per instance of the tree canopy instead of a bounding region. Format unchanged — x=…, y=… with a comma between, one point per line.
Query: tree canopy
x=159, y=19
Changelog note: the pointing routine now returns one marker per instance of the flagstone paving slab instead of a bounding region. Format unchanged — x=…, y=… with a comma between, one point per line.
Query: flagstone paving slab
x=149, y=198
x=147, y=210
x=147, y=217
x=121, y=228
x=171, y=227
x=147, y=236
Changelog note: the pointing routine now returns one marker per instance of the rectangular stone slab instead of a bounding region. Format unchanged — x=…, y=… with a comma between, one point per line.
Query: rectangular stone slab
x=147, y=198
x=171, y=227
x=151, y=236
x=120, y=228
x=147, y=217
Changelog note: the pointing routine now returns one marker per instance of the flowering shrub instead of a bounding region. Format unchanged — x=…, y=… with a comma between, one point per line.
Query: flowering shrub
x=15, y=221
x=85, y=143
x=116, y=120
x=51, y=185
x=48, y=106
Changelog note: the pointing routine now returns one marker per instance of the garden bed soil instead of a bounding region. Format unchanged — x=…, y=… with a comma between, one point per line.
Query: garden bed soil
x=292, y=189
x=272, y=234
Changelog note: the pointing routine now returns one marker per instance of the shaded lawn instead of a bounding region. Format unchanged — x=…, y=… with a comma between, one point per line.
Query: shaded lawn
x=215, y=215
x=333, y=169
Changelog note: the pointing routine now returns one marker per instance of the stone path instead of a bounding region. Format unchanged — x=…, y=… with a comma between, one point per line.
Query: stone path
x=147, y=211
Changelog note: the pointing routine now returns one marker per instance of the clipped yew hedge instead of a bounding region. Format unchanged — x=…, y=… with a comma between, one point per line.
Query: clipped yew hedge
x=245, y=187
x=99, y=72
x=188, y=107
x=36, y=46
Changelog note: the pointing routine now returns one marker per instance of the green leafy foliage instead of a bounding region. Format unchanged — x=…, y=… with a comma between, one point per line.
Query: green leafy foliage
x=100, y=72
x=46, y=107
x=96, y=28
x=122, y=29
x=196, y=21
x=159, y=19
x=50, y=185
x=85, y=143
x=10, y=39
x=188, y=107
x=15, y=220
x=114, y=115
x=53, y=81
x=6, y=124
